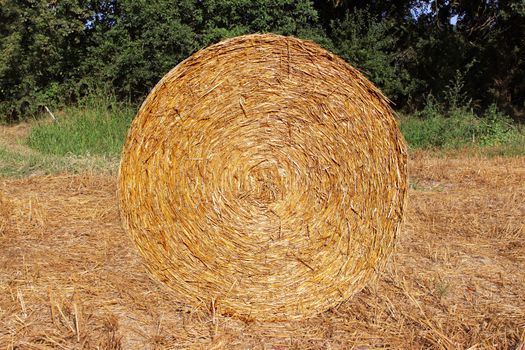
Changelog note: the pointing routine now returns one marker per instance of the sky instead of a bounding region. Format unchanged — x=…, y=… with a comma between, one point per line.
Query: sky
x=425, y=8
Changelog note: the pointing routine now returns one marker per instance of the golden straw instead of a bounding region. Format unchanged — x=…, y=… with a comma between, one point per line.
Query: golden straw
x=264, y=177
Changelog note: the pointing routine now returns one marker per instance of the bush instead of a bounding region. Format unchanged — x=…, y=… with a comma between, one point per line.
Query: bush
x=435, y=128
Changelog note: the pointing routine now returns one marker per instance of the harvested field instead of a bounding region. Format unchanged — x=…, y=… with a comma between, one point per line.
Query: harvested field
x=70, y=277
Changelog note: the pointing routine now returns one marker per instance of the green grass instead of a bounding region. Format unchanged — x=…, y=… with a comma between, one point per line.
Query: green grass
x=98, y=127
x=492, y=134
x=87, y=137
x=90, y=136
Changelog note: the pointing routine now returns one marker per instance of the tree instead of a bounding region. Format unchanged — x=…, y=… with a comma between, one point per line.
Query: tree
x=136, y=42
x=374, y=46
x=50, y=50
x=40, y=46
x=485, y=48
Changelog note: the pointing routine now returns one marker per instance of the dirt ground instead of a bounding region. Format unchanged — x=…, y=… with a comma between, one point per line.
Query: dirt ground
x=71, y=279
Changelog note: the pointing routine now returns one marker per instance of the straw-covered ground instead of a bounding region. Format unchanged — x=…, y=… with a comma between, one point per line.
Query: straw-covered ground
x=71, y=279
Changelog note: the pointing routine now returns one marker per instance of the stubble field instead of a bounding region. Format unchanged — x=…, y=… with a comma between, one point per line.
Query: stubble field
x=70, y=277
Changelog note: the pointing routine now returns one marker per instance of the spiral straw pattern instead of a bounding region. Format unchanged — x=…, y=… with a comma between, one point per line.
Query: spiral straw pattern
x=264, y=176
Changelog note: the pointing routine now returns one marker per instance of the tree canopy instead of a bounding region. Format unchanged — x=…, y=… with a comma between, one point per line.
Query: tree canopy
x=457, y=51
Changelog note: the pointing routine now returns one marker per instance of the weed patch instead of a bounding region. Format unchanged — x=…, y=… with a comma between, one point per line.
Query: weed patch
x=460, y=128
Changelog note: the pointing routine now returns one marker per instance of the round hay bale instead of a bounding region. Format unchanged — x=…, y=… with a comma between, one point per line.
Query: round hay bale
x=265, y=176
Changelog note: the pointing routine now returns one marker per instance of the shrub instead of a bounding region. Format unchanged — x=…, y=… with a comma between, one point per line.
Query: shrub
x=433, y=127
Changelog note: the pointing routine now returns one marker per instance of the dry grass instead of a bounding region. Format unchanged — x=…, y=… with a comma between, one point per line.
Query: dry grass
x=265, y=176
x=70, y=277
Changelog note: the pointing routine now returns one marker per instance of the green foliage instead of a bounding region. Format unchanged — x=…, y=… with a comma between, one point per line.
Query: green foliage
x=40, y=47
x=96, y=127
x=51, y=51
x=137, y=42
x=497, y=129
x=454, y=93
x=486, y=46
x=458, y=128
x=371, y=44
x=232, y=18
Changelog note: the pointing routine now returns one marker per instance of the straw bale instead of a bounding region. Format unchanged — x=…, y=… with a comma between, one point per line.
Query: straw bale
x=265, y=178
